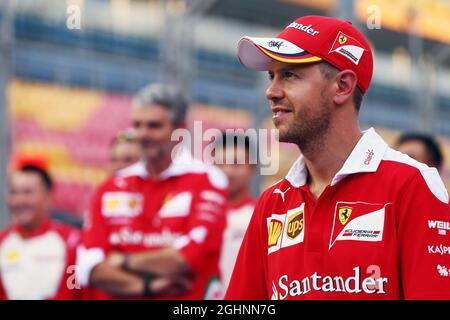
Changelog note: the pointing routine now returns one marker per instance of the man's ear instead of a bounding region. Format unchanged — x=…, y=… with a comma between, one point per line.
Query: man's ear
x=346, y=83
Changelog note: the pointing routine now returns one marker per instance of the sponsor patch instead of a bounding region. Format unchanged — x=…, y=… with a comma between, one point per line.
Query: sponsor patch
x=12, y=255
x=121, y=204
x=348, y=47
x=178, y=205
x=344, y=214
x=212, y=196
x=441, y=226
x=442, y=270
x=439, y=249
x=275, y=229
x=295, y=225
x=356, y=283
x=358, y=221
x=285, y=230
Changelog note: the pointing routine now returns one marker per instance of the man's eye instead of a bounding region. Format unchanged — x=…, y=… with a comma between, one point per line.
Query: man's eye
x=270, y=76
x=289, y=74
x=154, y=125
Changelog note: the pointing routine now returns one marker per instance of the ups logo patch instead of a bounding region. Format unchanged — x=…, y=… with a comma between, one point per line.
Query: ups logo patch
x=295, y=225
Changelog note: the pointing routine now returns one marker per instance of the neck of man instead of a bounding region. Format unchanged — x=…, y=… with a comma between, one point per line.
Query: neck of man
x=326, y=157
x=155, y=166
x=32, y=226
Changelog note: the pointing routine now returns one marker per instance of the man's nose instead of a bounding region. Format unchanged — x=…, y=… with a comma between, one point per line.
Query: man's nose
x=274, y=91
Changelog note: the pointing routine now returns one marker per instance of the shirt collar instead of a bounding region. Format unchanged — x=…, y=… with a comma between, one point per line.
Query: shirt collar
x=365, y=157
x=43, y=228
x=182, y=163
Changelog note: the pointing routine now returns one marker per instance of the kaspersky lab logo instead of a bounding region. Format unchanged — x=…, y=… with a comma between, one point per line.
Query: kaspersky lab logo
x=287, y=287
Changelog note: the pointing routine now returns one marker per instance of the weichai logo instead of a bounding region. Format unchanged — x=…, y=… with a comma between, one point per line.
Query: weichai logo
x=441, y=226
x=275, y=229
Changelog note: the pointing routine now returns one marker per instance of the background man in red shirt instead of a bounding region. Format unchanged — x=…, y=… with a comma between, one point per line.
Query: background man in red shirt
x=239, y=165
x=155, y=228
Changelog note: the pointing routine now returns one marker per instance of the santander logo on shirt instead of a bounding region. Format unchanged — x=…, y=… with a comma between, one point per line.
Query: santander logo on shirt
x=288, y=287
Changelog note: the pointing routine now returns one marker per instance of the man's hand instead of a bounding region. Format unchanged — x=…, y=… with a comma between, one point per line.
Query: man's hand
x=170, y=286
x=115, y=259
x=166, y=262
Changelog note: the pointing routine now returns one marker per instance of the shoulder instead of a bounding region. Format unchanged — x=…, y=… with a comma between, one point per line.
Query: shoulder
x=69, y=234
x=214, y=175
x=281, y=185
x=271, y=194
x=198, y=171
x=405, y=169
x=5, y=232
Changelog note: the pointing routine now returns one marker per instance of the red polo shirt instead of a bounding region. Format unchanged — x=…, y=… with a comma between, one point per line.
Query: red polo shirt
x=380, y=230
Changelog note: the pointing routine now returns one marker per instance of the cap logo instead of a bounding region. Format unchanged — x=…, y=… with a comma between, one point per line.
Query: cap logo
x=307, y=29
x=348, y=47
x=342, y=39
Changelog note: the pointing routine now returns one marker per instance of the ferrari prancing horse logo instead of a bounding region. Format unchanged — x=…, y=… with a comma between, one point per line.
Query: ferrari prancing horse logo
x=342, y=39
x=344, y=214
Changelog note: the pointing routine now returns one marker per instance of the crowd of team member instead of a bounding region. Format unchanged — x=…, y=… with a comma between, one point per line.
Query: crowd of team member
x=165, y=225
x=162, y=226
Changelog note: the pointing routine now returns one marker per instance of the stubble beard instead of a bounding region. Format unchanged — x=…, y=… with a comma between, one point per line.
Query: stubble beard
x=308, y=130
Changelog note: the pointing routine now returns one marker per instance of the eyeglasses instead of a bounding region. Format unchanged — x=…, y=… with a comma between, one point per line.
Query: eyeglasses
x=126, y=135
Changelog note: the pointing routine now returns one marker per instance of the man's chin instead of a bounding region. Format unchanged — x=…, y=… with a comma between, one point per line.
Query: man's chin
x=152, y=154
x=282, y=134
x=23, y=219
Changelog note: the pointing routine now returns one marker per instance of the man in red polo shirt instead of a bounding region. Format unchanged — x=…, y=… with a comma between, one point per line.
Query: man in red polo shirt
x=155, y=228
x=353, y=219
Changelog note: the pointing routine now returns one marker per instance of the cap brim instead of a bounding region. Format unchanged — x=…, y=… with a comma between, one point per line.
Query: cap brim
x=258, y=53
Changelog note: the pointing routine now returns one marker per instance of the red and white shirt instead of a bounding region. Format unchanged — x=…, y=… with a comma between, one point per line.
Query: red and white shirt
x=238, y=218
x=39, y=265
x=184, y=209
x=380, y=230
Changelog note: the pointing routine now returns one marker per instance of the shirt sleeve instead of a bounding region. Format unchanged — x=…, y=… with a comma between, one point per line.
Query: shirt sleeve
x=203, y=238
x=94, y=242
x=248, y=280
x=424, y=237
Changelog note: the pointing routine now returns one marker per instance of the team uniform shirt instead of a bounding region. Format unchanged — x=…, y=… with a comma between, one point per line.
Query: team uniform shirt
x=238, y=218
x=184, y=209
x=39, y=265
x=380, y=230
